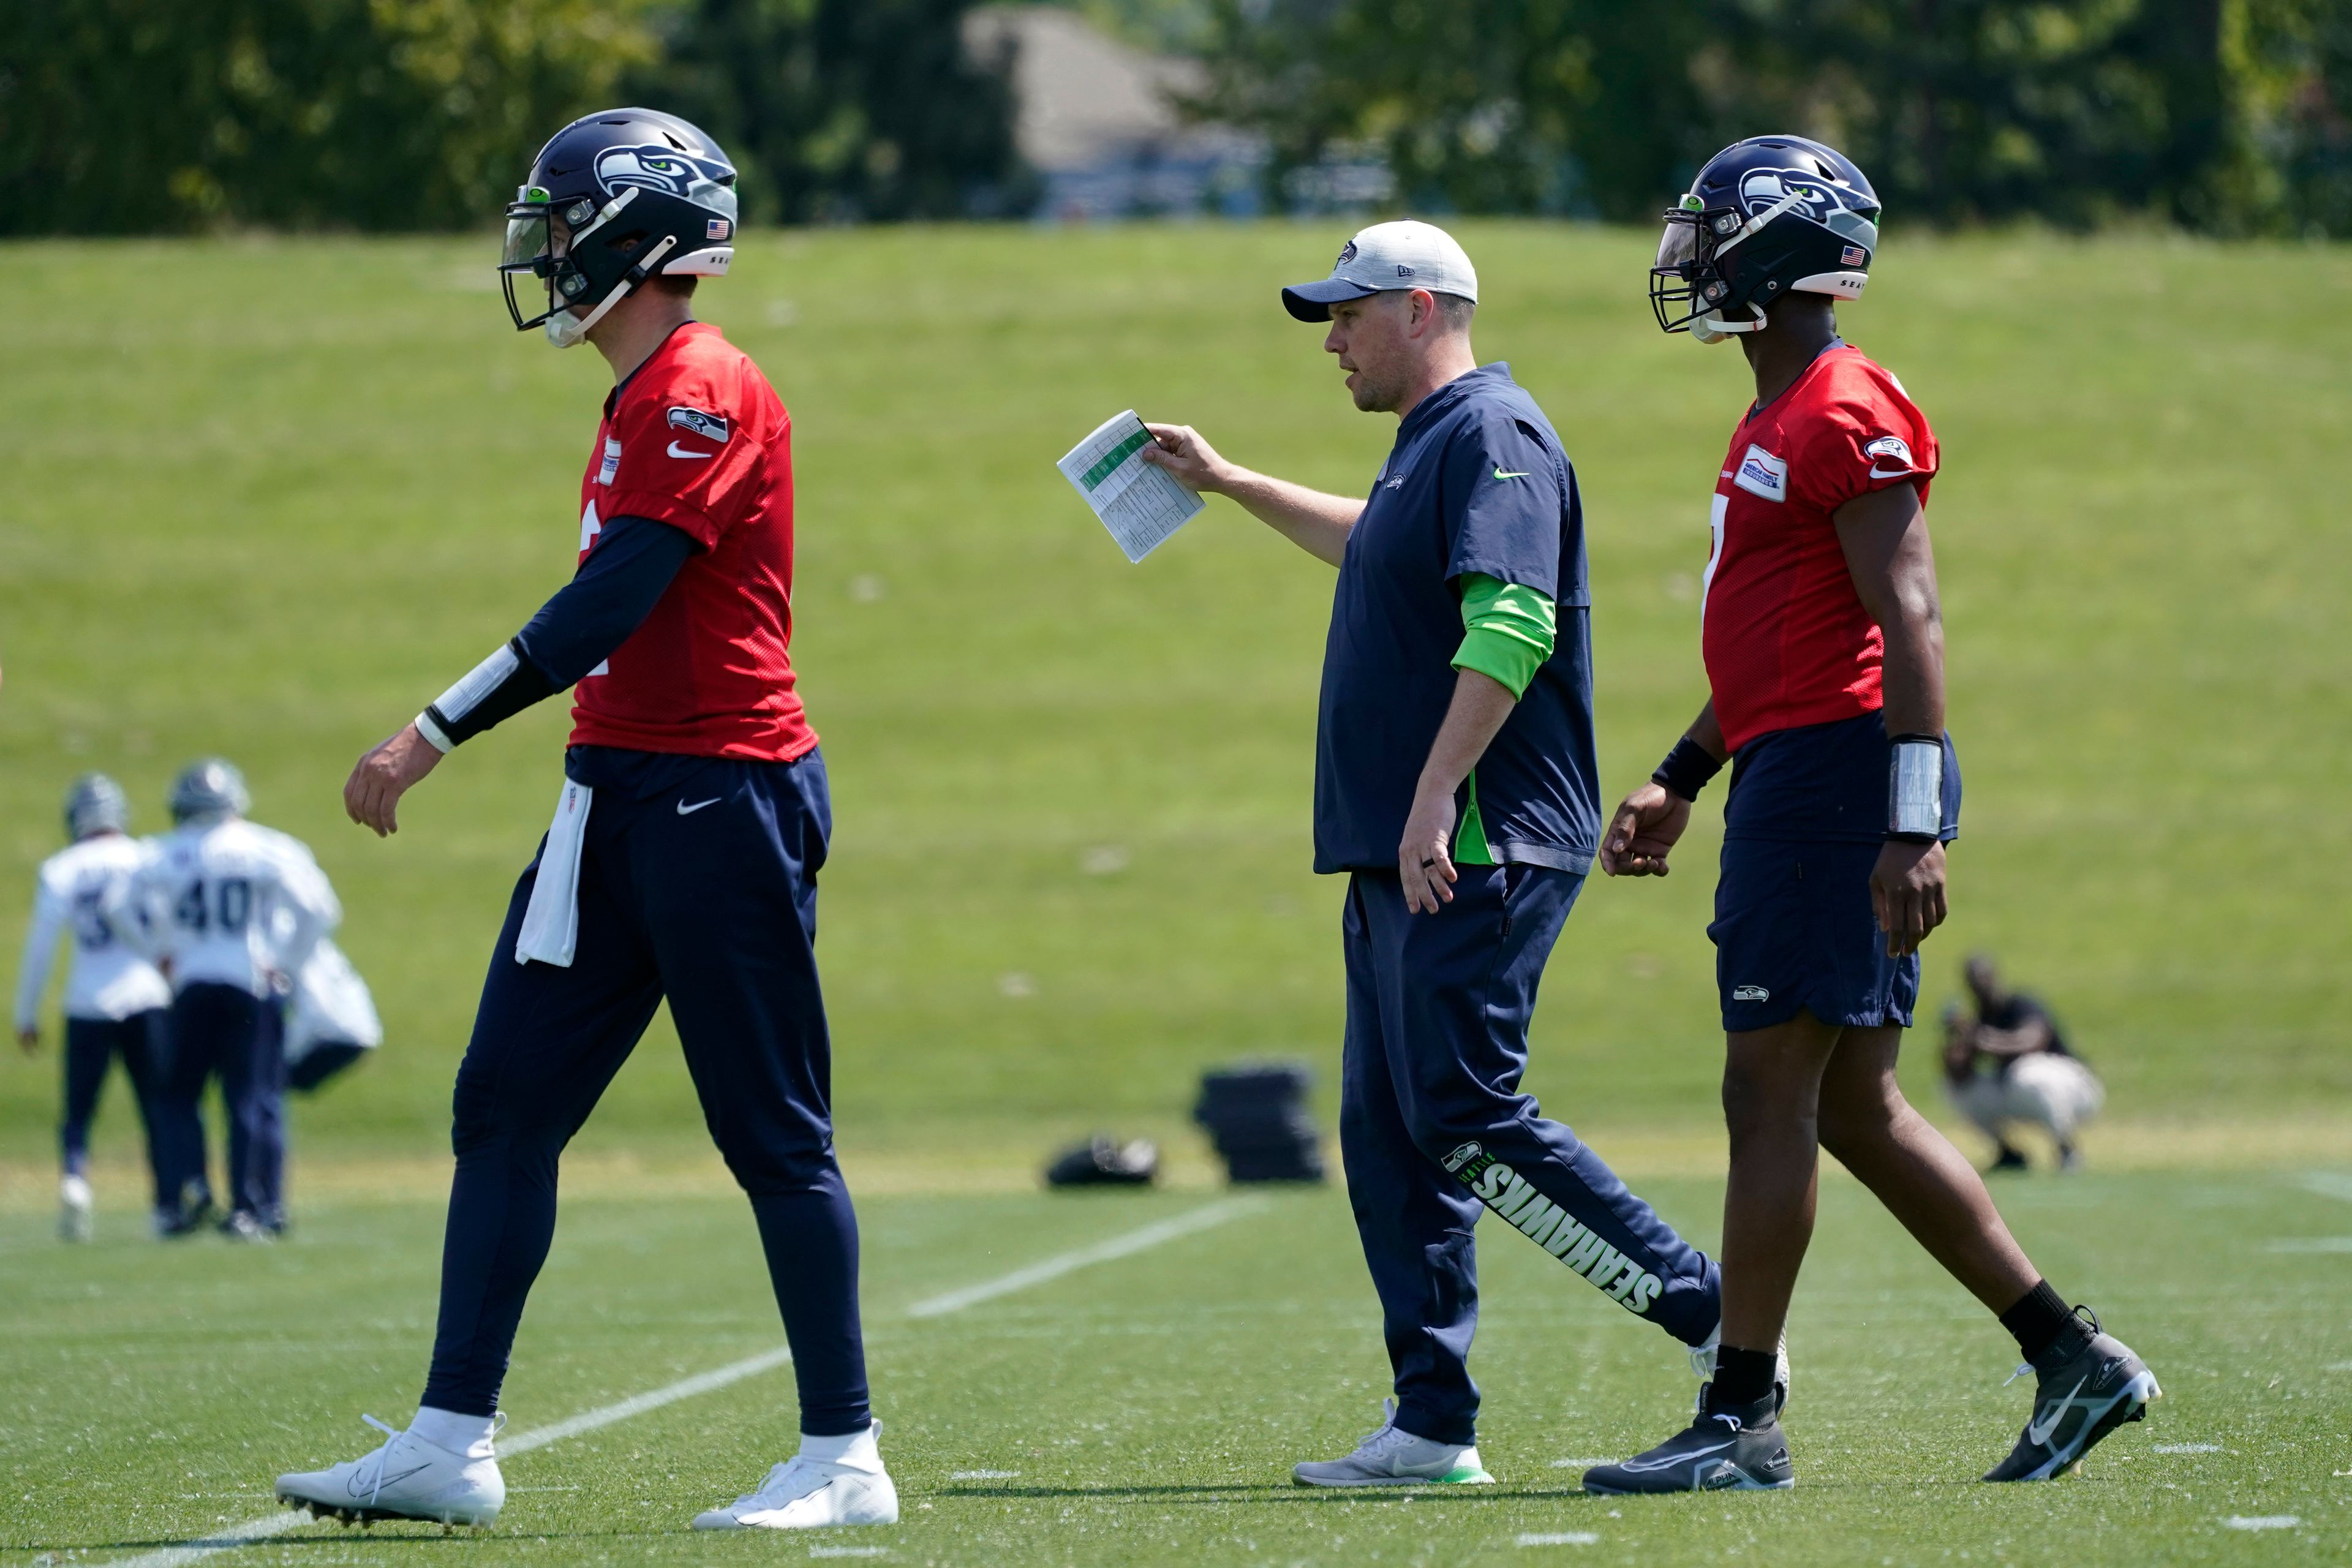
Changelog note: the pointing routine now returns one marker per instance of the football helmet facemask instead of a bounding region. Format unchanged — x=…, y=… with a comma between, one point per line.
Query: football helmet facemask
x=613, y=199
x=1768, y=216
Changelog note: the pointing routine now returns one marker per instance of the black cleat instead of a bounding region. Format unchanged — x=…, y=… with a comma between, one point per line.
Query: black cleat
x=1723, y=1450
x=2084, y=1390
x=2008, y=1159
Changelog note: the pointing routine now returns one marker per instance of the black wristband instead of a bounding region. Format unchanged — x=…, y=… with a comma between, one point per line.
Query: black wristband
x=1686, y=769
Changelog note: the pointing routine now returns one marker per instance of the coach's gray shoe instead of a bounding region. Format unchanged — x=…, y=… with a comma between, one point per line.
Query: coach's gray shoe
x=2085, y=1388
x=1723, y=1450
x=408, y=1478
x=1702, y=1357
x=75, y=1204
x=1394, y=1458
x=841, y=1483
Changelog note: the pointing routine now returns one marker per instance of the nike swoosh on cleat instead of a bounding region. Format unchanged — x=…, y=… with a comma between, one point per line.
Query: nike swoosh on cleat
x=686, y=810
x=2035, y=1432
x=678, y=451
x=1638, y=1468
x=378, y=1486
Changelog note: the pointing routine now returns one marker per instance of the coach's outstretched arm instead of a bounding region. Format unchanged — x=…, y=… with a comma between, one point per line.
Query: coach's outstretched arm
x=625, y=574
x=1316, y=522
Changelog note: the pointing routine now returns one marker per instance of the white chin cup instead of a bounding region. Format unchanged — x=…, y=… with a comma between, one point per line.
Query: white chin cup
x=1712, y=328
x=565, y=330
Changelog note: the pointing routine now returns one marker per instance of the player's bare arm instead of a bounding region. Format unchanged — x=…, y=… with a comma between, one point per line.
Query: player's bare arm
x=1650, y=821
x=1315, y=520
x=1884, y=536
x=1424, y=856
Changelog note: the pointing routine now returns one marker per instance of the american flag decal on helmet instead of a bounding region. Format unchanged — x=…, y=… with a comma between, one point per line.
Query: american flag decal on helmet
x=1854, y=256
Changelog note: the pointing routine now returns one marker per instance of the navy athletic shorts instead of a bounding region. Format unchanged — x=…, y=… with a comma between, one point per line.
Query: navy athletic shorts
x=1794, y=929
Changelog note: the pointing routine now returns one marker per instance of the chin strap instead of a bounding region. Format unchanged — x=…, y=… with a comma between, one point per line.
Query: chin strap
x=1712, y=328
x=565, y=330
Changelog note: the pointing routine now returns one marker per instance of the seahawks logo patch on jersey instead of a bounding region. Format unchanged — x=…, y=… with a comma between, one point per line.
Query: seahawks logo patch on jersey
x=1889, y=455
x=695, y=422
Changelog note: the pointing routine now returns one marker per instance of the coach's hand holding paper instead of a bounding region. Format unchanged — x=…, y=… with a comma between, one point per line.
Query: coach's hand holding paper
x=1140, y=504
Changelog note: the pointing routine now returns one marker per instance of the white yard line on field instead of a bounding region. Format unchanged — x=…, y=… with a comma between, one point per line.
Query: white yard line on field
x=2329, y=1184
x=231, y=1538
x=1134, y=1241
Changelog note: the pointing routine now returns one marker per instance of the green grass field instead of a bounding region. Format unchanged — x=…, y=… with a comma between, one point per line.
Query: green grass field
x=1146, y=1409
x=270, y=496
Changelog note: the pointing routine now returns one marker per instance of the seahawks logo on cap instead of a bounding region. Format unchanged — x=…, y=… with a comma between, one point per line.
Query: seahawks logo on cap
x=695, y=422
x=1347, y=253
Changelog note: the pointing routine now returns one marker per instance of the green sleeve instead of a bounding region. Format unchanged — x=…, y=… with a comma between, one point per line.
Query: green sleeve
x=1506, y=630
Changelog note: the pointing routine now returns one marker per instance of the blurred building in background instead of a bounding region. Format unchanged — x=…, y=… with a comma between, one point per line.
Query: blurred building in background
x=1101, y=123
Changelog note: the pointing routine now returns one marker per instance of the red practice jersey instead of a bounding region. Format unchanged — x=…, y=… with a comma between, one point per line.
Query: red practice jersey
x=698, y=439
x=1786, y=638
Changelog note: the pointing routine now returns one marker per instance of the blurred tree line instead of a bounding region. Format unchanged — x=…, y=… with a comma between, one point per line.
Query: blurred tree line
x=156, y=116
x=2227, y=116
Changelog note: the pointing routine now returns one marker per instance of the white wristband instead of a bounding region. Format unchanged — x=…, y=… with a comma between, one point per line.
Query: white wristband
x=434, y=736
x=1915, y=789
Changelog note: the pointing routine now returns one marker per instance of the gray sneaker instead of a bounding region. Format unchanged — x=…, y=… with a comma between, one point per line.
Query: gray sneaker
x=1393, y=1457
x=1722, y=1450
x=2081, y=1393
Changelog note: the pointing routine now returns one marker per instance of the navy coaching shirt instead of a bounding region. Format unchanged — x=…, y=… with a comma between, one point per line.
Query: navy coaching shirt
x=1476, y=482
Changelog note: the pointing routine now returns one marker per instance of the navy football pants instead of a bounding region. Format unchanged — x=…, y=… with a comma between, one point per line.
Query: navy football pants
x=91, y=1047
x=698, y=884
x=224, y=1032
x=1432, y=1125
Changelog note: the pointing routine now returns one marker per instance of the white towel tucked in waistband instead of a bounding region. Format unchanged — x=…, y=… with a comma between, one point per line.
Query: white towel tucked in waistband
x=550, y=925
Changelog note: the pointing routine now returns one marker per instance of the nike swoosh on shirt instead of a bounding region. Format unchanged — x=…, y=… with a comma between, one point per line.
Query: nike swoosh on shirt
x=1879, y=473
x=686, y=810
x=678, y=451
x=1520, y=474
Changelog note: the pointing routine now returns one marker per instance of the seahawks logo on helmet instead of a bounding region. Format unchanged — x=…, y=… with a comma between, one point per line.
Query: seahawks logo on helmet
x=648, y=167
x=1762, y=189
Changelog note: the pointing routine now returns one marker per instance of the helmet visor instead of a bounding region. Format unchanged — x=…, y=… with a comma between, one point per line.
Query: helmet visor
x=1678, y=246
x=527, y=234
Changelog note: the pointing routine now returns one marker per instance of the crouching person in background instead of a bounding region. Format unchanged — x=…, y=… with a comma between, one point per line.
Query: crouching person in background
x=330, y=1019
x=2010, y=1066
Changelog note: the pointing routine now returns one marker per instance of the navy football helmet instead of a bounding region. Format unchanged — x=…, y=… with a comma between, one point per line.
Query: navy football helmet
x=95, y=804
x=613, y=199
x=1768, y=216
x=207, y=790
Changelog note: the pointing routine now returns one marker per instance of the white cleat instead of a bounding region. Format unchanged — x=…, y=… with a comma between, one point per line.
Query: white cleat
x=408, y=1478
x=1702, y=1359
x=1392, y=1457
x=75, y=1202
x=805, y=1493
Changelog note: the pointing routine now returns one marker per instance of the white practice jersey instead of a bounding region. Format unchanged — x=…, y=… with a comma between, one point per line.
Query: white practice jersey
x=109, y=977
x=231, y=902
x=331, y=1006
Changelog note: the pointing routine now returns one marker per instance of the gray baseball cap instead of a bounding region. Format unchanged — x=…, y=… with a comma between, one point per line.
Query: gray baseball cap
x=1387, y=255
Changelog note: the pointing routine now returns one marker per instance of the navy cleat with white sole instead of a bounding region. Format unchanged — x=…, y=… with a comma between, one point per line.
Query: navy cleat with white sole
x=2085, y=1387
x=1739, y=1449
